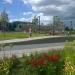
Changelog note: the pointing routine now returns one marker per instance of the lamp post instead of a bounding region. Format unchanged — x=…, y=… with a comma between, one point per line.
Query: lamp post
x=71, y=27
x=38, y=18
x=4, y=29
x=53, y=25
x=39, y=23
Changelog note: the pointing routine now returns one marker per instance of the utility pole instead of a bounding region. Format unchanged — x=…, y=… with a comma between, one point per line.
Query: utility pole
x=71, y=27
x=53, y=25
x=39, y=23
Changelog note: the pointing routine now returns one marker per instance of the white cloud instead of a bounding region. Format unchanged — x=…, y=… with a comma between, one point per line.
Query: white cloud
x=31, y=1
x=22, y=19
x=45, y=19
x=25, y=1
x=27, y=13
x=26, y=19
x=34, y=1
x=62, y=8
x=8, y=1
x=40, y=14
x=11, y=20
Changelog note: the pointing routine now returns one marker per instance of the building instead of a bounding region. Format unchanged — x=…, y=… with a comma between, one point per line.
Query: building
x=58, y=26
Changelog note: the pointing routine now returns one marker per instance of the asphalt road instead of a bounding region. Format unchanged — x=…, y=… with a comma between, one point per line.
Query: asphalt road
x=28, y=49
x=33, y=46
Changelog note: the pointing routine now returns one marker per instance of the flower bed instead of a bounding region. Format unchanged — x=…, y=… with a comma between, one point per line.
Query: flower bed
x=61, y=62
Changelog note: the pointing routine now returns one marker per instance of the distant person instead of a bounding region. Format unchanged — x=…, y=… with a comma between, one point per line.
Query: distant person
x=49, y=32
x=68, y=33
x=30, y=32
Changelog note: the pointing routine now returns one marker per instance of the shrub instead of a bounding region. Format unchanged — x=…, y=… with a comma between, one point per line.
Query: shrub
x=55, y=62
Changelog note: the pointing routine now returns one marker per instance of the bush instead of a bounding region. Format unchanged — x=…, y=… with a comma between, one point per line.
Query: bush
x=55, y=62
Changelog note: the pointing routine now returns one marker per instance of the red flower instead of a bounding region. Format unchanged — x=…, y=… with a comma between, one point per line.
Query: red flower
x=41, y=61
x=49, y=58
x=53, y=58
x=33, y=61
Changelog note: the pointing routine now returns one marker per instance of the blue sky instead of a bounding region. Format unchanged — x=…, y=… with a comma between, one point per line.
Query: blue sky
x=25, y=10
x=16, y=9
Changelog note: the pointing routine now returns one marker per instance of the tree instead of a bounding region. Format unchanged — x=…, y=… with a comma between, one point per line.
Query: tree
x=35, y=23
x=19, y=27
x=35, y=20
x=4, y=20
x=67, y=28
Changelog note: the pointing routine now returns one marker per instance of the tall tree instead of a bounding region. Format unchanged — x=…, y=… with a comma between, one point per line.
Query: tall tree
x=35, y=23
x=4, y=20
x=35, y=20
x=67, y=28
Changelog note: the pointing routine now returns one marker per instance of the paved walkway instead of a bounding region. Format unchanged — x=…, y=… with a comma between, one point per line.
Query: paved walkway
x=27, y=39
x=19, y=53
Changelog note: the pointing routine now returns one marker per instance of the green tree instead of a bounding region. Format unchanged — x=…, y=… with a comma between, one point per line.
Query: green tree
x=4, y=20
x=19, y=27
x=34, y=23
x=67, y=28
x=35, y=20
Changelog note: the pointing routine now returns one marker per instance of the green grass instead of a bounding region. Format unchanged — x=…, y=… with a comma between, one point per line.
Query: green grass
x=14, y=35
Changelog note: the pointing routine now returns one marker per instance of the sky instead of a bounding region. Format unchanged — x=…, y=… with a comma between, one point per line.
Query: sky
x=25, y=10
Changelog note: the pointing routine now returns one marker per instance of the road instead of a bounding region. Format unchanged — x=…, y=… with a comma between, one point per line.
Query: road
x=32, y=45
x=28, y=49
x=27, y=39
x=36, y=38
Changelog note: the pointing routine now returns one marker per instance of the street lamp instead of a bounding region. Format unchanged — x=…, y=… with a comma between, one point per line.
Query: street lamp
x=53, y=25
x=39, y=23
x=71, y=27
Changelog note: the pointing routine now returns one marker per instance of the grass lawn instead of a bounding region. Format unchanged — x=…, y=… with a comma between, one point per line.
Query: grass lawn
x=14, y=35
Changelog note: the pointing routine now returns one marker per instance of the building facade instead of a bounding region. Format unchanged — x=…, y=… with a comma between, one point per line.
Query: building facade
x=58, y=26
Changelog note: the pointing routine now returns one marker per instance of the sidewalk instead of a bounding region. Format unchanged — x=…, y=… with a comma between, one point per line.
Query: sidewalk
x=27, y=39
x=20, y=53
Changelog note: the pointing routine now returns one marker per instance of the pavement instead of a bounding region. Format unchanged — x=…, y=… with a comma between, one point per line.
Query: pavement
x=48, y=43
x=27, y=39
x=27, y=52
x=19, y=50
x=31, y=39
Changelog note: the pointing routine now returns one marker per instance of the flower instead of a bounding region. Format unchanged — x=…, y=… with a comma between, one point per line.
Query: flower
x=53, y=58
x=69, y=66
x=45, y=57
x=33, y=62
x=41, y=61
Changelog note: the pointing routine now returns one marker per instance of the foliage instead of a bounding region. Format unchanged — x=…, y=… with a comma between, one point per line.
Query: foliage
x=4, y=21
x=55, y=62
x=5, y=66
x=67, y=28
